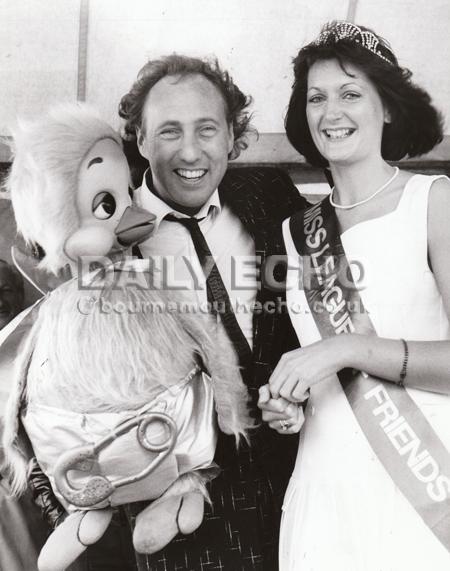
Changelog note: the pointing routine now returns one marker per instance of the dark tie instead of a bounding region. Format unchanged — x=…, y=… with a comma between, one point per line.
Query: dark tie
x=216, y=290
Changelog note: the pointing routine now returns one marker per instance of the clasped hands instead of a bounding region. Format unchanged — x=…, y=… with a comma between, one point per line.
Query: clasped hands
x=282, y=415
x=297, y=371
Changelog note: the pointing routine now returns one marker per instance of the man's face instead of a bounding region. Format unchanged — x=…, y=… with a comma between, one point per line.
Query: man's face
x=186, y=139
x=11, y=297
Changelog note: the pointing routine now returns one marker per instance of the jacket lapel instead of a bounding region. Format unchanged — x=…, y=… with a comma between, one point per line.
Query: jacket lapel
x=241, y=195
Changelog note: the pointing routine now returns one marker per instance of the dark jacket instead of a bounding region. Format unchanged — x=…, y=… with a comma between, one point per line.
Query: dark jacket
x=241, y=527
x=262, y=198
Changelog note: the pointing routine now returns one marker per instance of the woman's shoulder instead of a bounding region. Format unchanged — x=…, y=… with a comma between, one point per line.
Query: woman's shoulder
x=440, y=186
x=420, y=190
x=439, y=204
x=436, y=190
x=418, y=181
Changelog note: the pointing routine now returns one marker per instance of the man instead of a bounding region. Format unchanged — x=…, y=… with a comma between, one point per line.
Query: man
x=189, y=119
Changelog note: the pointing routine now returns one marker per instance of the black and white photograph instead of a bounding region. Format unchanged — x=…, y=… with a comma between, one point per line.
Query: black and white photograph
x=224, y=285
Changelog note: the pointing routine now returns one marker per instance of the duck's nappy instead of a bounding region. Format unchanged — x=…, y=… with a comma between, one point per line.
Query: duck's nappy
x=53, y=431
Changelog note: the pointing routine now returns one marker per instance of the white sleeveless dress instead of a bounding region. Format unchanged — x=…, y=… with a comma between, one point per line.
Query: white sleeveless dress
x=342, y=511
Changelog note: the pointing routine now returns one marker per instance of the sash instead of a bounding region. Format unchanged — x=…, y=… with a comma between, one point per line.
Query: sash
x=396, y=429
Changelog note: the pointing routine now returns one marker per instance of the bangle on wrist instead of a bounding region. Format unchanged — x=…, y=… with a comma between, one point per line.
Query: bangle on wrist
x=401, y=381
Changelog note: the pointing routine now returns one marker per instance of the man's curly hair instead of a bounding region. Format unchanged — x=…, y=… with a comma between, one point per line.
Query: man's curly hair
x=236, y=103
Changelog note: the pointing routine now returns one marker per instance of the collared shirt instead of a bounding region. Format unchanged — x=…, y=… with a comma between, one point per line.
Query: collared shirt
x=173, y=254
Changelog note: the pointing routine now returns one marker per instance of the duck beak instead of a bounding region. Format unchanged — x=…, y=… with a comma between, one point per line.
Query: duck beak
x=135, y=226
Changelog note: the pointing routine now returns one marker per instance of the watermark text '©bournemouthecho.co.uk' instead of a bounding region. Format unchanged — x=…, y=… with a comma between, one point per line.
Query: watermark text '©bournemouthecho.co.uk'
x=90, y=303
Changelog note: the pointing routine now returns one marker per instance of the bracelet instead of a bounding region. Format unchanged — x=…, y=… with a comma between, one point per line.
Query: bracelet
x=401, y=381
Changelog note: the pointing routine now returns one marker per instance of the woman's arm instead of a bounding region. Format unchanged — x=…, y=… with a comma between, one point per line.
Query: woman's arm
x=428, y=366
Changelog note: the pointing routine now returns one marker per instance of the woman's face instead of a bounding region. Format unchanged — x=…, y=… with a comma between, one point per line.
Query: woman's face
x=345, y=113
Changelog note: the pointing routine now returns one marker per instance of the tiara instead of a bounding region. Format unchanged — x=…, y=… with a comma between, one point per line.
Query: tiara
x=336, y=31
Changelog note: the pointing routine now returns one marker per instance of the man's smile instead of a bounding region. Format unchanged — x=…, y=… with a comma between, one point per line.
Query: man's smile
x=191, y=175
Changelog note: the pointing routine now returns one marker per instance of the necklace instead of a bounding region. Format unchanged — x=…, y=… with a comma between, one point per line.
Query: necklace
x=348, y=206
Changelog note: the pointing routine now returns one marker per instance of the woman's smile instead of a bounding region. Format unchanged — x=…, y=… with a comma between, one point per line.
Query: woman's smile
x=338, y=134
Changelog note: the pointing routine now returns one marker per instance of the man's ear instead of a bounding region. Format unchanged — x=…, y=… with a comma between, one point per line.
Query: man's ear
x=230, y=138
x=140, y=139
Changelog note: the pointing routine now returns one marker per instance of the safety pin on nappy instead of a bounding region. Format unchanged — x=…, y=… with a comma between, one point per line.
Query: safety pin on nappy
x=99, y=487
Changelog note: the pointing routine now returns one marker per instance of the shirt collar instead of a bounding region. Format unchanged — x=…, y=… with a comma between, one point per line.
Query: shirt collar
x=148, y=200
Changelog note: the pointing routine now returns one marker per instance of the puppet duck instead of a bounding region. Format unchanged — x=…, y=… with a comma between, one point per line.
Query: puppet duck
x=114, y=414
x=69, y=189
x=89, y=376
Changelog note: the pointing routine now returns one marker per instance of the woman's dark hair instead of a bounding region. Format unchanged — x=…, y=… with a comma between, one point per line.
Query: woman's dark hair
x=416, y=126
x=236, y=103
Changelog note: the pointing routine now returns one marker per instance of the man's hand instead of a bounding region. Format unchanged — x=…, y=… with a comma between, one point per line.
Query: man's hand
x=283, y=416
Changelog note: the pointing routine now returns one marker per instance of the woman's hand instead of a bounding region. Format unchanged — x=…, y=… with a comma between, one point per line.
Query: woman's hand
x=283, y=416
x=299, y=370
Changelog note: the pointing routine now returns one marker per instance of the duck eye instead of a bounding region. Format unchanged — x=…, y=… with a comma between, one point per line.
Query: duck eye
x=103, y=205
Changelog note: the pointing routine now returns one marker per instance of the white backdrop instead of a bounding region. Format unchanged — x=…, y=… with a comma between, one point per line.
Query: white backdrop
x=254, y=39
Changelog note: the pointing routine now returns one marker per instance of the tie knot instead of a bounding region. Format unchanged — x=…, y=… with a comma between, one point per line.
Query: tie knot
x=182, y=220
x=189, y=223
x=192, y=226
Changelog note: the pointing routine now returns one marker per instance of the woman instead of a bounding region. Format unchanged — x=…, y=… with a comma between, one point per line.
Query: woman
x=371, y=486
